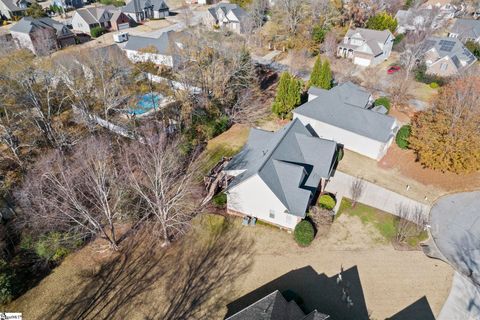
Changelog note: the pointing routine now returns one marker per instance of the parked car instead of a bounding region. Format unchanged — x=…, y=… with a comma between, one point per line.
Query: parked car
x=393, y=69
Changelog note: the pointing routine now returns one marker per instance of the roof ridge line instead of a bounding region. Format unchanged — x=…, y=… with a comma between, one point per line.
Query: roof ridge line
x=290, y=125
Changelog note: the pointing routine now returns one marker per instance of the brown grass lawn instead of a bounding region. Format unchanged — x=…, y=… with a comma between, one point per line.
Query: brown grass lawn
x=217, y=263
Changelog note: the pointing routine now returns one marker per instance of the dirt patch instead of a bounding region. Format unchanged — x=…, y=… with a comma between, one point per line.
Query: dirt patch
x=404, y=162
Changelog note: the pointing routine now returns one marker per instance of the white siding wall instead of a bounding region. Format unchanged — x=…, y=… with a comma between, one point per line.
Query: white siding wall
x=160, y=59
x=79, y=24
x=351, y=141
x=253, y=197
x=23, y=40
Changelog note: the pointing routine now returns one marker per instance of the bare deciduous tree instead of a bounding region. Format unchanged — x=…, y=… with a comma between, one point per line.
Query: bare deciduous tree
x=162, y=179
x=410, y=222
x=356, y=189
x=80, y=195
x=293, y=11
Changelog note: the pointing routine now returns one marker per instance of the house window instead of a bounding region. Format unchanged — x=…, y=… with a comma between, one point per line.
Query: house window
x=271, y=215
x=443, y=66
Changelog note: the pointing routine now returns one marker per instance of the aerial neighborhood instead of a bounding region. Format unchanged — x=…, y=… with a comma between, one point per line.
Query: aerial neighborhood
x=240, y=159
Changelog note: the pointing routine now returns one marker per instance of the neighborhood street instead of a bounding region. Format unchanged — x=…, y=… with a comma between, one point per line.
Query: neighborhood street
x=455, y=229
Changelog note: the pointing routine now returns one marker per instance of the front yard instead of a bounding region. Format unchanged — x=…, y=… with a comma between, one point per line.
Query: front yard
x=218, y=262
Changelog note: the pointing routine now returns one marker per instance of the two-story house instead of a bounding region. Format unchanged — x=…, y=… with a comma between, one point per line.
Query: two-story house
x=446, y=56
x=227, y=16
x=366, y=47
x=42, y=35
x=108, y=17
x=140, y=10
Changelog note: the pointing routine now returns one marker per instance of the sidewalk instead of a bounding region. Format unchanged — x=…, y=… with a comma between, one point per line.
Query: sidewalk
x=372, y=195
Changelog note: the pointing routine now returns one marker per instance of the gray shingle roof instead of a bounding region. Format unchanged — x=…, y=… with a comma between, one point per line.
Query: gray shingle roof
x=12, y=5
x=291, y=162
x=455, y=50
x=162, y=44
x=227, y=7
x=343, y=107
x=371, y=37
x=157, y=5
x=29, y=24
x=95, y=14
x=466, y=28
x=275, y=307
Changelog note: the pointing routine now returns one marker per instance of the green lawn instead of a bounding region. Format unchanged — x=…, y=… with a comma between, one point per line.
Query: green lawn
x=384, y=222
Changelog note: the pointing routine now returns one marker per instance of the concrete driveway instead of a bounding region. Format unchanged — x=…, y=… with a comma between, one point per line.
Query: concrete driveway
x=372, y=195
x=455, y=230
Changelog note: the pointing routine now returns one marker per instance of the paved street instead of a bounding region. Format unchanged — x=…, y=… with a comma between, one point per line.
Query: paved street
x=372, y=195
x=455, y=229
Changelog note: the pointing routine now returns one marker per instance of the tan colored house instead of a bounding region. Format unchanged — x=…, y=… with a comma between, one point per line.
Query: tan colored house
x=446, y=57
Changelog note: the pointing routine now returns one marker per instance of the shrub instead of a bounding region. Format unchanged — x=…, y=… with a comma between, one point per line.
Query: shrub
x=422, y=76
x=6, y=283
x=304, y=233
x=434, y=85
x=220, y=200
x=474, y=48
x=402, y=136
x=318, y=34
x=383, y=101
x=53, y=246
x=97, y=32
x=326, y=201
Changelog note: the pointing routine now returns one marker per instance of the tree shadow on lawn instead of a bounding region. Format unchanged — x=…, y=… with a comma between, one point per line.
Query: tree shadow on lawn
x=190, y=273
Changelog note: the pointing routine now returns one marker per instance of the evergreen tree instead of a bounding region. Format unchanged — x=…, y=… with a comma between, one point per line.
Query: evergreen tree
x=288, y=96
x=382, y=21
x=315, y=77
x=35, y=10
x=326, y=76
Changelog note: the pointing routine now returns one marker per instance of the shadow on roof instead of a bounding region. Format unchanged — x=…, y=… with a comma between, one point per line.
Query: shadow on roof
x=420, y=309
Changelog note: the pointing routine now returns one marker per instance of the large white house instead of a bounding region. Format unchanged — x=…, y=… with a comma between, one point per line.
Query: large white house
x=345, y=114
x=161, y=50
x=277, y=174
x=366, y=47
x=228, y=16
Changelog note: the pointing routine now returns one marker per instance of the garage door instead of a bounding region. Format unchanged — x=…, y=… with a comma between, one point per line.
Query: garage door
x=361, y=61
x=122, y=26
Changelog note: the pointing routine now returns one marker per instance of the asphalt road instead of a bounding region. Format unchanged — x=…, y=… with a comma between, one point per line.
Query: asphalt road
x=455, y=229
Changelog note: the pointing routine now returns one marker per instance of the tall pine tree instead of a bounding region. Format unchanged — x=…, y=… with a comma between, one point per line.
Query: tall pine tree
x=288, y=96
x=326, y=76
x=315, y=77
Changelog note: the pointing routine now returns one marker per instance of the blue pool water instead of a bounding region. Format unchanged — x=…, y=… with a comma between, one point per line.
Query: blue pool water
x=146, y=103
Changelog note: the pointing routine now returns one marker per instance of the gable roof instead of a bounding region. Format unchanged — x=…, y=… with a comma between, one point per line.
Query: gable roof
x=162, y=44
x=380, y=36
x=29, y=24
x=275, y=307
x=466, y=28
x=338, y=107
x=135, y=6
x=12, y=5
x=451, y=47
x=291, y=162
x=95, y=14
x=226, y=8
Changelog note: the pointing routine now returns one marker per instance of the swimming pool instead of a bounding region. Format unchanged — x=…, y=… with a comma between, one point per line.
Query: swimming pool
x=146, y=103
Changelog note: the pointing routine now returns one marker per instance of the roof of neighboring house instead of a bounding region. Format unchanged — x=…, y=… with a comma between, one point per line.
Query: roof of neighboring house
x=466, y=28
x=451, y=47
x=12, y=5
x=162, y=44
x=275, y=307
x=348, y=92
x=338, y=107
x=95, y=14
x=226, y=8
x=29, y=24
x=371, y=37
x=138, y=5
x=291, y=162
